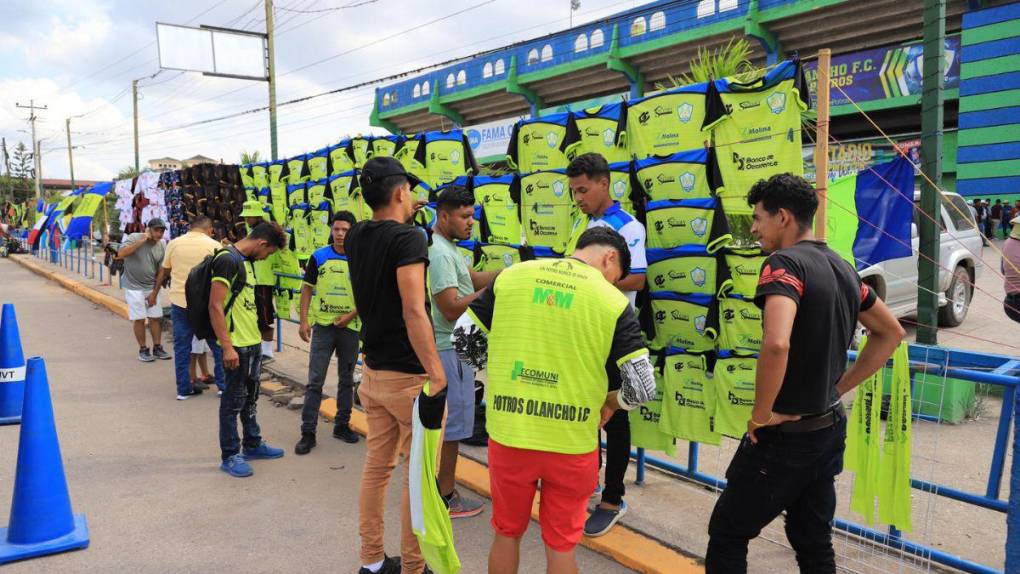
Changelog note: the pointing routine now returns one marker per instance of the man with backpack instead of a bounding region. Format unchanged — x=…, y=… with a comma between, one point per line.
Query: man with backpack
x=223, y=286
x=182, y=255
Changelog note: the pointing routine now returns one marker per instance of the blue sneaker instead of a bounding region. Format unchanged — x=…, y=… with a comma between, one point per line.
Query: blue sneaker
x=263, y=451
x=237, y=467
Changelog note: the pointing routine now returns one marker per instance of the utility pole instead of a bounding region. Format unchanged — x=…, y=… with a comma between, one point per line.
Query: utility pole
x=70, y=157
x=134, y=97
x=271, y=66
x=36, y=160
x=931, y=163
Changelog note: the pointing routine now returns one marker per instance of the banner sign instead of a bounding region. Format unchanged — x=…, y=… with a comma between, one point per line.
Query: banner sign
x=851, y=157
x=882, y=73
x=491, y=138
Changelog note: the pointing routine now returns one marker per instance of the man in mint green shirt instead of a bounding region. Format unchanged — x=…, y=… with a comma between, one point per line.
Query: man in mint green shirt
x=454, y=286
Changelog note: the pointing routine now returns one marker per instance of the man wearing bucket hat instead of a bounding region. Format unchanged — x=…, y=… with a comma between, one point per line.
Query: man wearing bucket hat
x=1011, y=270
x=253, y=213
x=142, y=254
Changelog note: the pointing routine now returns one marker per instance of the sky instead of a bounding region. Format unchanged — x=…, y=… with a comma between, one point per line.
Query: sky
x=78, y=58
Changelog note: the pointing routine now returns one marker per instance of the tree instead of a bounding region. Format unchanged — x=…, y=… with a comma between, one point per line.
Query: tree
x=127, y=172
x=20, y=173
x=250, y=157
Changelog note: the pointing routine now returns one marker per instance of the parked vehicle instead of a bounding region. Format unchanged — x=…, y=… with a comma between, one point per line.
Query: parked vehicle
x=895, y=280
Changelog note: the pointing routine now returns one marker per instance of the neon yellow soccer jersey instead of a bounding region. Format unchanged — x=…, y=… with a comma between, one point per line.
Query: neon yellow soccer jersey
x=546, y=208
x=664, y=123
x=535, y=144
x=756, y=130
x=594, y=131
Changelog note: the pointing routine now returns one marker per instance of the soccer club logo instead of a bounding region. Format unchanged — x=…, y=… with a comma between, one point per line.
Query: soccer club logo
x=608, y=137
x=698, y=276
x=508, y=260
x=551, y=140
x=684, y=112
x=699, y=225
x=619, y=188
x=687, y=181
x=776, y=102
x=699, y=324
x=558, y=188
x=454, y=157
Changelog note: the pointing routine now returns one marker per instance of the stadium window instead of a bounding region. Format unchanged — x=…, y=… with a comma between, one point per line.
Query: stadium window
x=461, y=78
x=416, y=92
x=725, y=5
x=533, y=56
x=425, y=88
x=450, y=80
x=657, y=21
x=598, y=39
x=638, y=26
x=706, y=8
x=581, y=43
x=487, y=70
x=547, y=53
x=500, y=67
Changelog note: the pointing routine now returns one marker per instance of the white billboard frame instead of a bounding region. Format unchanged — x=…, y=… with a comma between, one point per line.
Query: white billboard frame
x=209, y=67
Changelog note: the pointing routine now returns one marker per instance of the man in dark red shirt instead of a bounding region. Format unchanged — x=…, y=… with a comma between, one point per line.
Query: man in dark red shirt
x=812, y=300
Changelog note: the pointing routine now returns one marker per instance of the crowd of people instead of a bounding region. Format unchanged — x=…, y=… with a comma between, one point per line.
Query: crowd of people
x=563, y=351
x=995, y=219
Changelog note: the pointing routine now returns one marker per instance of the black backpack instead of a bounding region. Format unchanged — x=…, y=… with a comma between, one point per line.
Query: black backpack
x=199, y=286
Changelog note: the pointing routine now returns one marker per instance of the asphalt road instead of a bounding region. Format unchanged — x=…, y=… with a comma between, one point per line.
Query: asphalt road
x=144, y=468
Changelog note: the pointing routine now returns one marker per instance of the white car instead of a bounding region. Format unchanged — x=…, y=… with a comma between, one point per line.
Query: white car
x=895, y=281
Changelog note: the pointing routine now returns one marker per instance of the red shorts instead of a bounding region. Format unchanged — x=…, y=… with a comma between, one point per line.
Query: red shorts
x=568, y=481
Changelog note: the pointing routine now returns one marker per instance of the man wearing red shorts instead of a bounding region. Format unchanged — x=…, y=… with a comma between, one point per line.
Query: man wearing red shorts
x=549, y=330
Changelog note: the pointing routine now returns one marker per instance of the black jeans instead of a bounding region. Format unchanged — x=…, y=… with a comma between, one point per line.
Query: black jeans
x=326, y=342
x=238, y=401
x=617, y=456
x=794, y=472
x=1012, y=306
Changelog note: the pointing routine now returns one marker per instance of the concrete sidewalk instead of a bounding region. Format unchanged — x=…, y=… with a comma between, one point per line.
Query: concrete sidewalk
x=143, y=467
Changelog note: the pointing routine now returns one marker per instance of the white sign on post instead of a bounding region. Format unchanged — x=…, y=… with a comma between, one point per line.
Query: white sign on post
x=213, y=51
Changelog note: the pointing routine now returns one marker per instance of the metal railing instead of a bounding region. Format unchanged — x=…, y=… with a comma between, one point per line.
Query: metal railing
x=997, y=370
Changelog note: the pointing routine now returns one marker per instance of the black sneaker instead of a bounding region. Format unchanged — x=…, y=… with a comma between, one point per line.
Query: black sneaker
x=145, y=356
x=159, y=353
x=199, y=385
x=344, y=433
x=306, y=444
x=194, y=392
x=390, y=565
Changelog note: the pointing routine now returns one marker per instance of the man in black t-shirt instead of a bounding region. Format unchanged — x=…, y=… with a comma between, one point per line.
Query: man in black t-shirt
x=812, y=300
x=387, y=259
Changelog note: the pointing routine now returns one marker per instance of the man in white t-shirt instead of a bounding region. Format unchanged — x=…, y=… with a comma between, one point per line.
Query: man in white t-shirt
x=589, y=184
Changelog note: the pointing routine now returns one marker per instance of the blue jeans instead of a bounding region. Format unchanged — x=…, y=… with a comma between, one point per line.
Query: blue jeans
x=238, y=401
x=182, y=352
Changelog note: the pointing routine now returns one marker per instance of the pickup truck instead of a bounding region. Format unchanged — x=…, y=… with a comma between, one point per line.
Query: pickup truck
x=895, y=281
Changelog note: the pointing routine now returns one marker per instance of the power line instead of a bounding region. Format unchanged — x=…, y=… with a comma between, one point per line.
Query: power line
x=375, y=81
x=139, y=50
x=334, y=9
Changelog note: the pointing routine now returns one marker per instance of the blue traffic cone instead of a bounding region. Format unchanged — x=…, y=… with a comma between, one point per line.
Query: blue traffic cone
x=41, y=519
x=12, y=368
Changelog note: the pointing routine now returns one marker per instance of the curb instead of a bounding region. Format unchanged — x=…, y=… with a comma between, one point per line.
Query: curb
x=622, y=544
x=116, y=306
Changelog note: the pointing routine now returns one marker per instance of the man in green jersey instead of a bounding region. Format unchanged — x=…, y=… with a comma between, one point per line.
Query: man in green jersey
x=332, y=326
x=453, y=287
x=265, y=281
x=234, y=319
x=549, y=329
